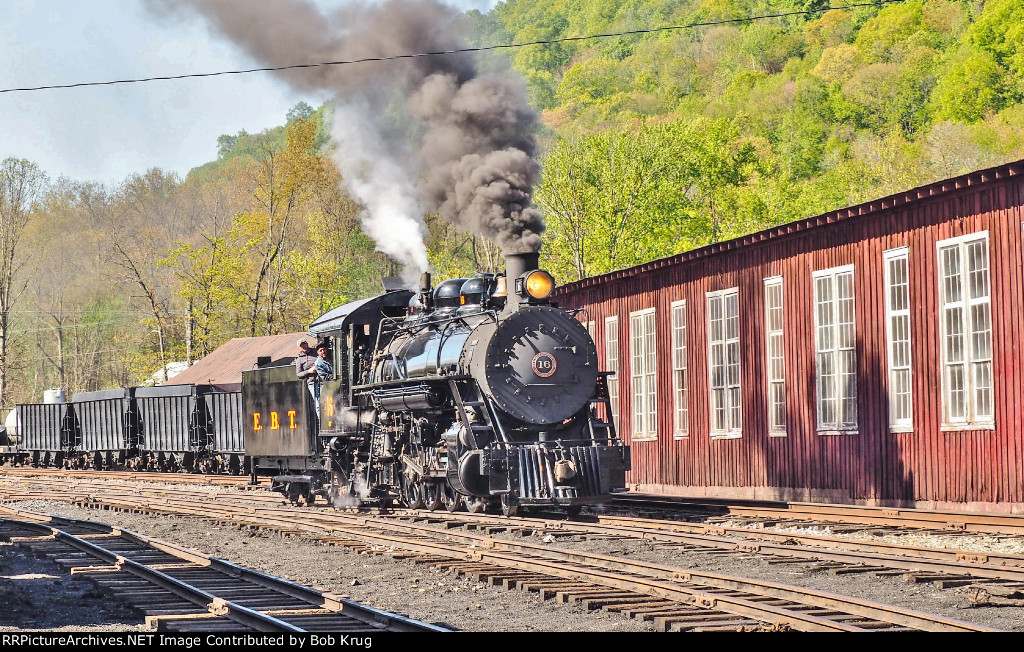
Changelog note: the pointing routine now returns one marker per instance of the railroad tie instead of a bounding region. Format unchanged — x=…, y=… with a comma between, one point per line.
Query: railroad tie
x=645, y=602
x=549, y=592
x=852, y=569
x=921, y=577
x=577, y=595
x=729, y=623
x=608, y=603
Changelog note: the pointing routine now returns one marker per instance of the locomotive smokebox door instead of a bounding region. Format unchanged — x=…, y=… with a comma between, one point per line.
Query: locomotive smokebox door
x=278, y=412
x=540, y=365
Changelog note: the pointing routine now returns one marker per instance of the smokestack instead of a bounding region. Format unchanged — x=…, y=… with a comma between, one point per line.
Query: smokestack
x=518, y=264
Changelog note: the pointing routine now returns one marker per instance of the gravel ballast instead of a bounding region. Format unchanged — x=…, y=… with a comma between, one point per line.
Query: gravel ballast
x=415, y=590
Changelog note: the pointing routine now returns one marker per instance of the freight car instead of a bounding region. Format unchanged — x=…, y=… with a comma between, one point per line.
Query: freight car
x=169, y=428
x=474, y=393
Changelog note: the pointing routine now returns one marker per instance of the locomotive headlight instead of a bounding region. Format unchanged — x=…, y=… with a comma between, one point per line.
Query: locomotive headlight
x=539, y=284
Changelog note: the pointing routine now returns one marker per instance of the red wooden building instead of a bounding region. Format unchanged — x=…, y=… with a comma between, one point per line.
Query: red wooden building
x=868, y=355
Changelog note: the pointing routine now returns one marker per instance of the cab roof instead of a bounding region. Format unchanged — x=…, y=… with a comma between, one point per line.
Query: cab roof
x=363, y=311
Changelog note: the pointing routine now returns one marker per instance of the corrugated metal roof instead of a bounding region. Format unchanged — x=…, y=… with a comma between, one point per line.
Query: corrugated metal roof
x=223, y=367
x=800, y=226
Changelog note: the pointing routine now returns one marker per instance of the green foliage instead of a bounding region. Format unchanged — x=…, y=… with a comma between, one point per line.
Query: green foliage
x=613, y=199
x=235, y=151
x=999, y=30
x=971, y=87
x=778, y=119
x=653, y=144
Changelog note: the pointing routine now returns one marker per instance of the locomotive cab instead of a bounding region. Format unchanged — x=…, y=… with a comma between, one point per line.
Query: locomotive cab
x=288, y=436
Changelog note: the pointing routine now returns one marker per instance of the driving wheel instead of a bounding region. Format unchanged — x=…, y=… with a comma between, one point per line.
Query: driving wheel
x=451, y=499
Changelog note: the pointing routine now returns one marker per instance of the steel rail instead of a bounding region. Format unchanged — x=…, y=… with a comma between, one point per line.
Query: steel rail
x=377, y=618
x=240, y=481
x=237, y=613
x=987, y=565
x=539, y=562
x=780, y=542
x=684, y=585
x=854, y=514
x=481, y=547
x=818, y=599
x=983, y=565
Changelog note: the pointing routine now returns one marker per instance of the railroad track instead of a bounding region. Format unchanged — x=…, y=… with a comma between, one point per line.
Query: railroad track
x=841, y=518
x=181, y=590
x=996, y=578
x=840, y=555
x=674, y=598
x=236, y=481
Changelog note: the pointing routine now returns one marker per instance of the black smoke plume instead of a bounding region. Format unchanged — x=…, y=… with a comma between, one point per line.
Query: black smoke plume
x=462, y=139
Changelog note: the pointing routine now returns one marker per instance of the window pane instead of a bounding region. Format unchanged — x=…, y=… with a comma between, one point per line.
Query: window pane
x=950, y=271
x=638, y=411
x=714, y=319
x=723, y=362
x=956, y=393
x=611, y=349
x=732, y=318
x=981, y=332
x=954, y=334
x=836, y=340
x=977, y=263
x=679, y=379
x=983, y=390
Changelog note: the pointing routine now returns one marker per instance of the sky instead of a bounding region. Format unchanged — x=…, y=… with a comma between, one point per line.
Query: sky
x=107, y=133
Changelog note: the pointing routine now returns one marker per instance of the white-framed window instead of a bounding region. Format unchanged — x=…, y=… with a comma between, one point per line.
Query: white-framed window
x=835, y=343
x=680, y=382
x=897, y=328
x=642, y=371
x=611, y=362
x=590, y=328
x=724, y=363
x=965, y=323
x=775, y=356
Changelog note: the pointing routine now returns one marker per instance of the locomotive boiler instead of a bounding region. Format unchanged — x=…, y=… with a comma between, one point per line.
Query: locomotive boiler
x=473, y=393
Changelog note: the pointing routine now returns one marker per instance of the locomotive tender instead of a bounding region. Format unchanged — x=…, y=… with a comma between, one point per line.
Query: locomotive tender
x=473, y=393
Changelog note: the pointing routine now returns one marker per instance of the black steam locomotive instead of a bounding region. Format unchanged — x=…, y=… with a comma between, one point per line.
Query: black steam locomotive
x=473, y=392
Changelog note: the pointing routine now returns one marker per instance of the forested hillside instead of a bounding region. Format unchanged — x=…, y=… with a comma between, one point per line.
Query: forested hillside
x=666, y=141
x=652, y=143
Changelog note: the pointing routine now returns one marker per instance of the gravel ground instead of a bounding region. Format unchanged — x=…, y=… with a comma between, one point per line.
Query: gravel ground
x=52, y=601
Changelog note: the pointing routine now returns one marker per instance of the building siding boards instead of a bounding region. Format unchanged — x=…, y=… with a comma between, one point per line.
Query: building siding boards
x=926, y=466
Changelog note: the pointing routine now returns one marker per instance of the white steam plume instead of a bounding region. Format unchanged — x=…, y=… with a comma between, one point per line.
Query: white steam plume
x=393, y=215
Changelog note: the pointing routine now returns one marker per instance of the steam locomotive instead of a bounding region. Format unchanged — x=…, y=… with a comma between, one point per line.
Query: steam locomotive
x=474, y=393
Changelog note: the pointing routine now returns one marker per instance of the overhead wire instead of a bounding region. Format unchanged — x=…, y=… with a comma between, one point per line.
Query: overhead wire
x=483, y=48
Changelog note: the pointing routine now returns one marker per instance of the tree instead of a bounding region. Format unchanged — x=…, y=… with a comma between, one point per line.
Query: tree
x=207, y=269
x=972, y=86
x=21, y=183
x=144, y=219
x=612, y=199
x=721, y=161
x=282, y=181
